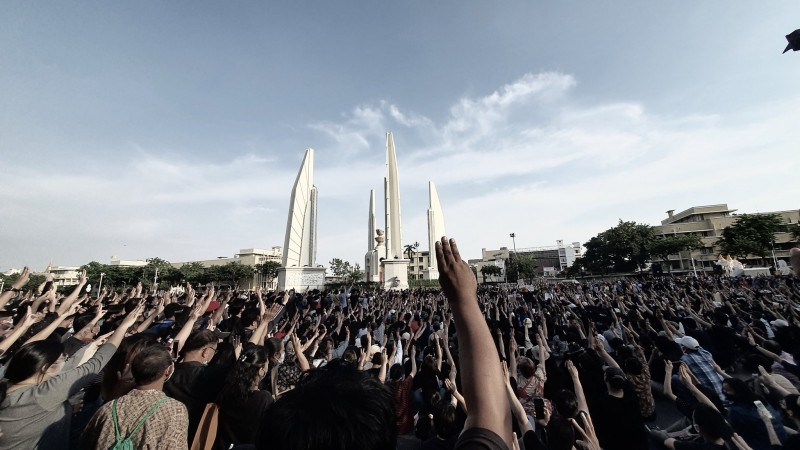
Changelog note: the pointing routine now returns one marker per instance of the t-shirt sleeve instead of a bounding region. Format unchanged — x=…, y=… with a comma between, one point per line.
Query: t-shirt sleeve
x=480, y=439
x=58, y=389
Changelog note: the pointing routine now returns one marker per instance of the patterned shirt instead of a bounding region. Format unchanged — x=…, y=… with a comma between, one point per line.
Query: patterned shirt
x=165, y=428
x=699, y=362
x=641, y=384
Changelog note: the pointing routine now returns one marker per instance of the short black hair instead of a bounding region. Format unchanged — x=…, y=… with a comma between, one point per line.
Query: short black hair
x=711, y=422
x=81, y=321
x=336, y=406
x=149, y=364
x=198, y=340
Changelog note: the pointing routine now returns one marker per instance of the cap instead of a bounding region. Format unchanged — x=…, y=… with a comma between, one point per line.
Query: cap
x=688, y=342
x=779, y=323
x=528, y=323
x=221, y=334
x=212, y=306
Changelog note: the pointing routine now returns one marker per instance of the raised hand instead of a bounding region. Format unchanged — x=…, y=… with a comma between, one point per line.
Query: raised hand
x=21, y=280
x=273, y=311
x=456, y=278
x=589, y=439
x=573, y=371
x=131, y=318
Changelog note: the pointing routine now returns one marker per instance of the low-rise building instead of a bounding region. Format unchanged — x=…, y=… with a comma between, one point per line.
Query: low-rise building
x=550, y=260
x=249, y=257
x=708, y=222
x=65, y=275
x=417, y=264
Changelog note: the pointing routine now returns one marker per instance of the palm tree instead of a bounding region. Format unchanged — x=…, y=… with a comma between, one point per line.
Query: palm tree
x=410, y=248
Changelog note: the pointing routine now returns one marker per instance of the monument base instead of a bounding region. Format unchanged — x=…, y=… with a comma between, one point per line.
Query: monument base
x=430, y=274
x=301, y=278
x=395, y=274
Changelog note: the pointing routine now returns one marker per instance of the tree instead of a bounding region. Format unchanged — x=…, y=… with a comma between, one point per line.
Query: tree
x=673, y=244
x=520, y=266
x=339, y=268
x=355, y=273
x=490, y=270
x=794, y=229
x=343, y=269
x=751, y=234
x=34, y=281
x=268, y=270
x=194, y=273
x=233, y=272
x=623, y=248
x=410, y=249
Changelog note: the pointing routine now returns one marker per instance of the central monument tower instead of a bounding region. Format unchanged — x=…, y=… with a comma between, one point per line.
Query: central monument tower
x=394, y=266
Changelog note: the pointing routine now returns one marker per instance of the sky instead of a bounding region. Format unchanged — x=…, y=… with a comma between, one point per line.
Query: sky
x=176, y=129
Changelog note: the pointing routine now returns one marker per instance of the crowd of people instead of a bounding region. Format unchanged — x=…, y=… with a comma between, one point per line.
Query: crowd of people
x=587, y=364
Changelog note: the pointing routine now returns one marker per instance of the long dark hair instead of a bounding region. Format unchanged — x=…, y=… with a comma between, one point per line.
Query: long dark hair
x=245, y=372
x=29, y=360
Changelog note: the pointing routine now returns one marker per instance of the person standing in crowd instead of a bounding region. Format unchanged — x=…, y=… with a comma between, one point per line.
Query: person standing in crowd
x=241, y=404
x=145, y=415
x=34, y=407
x=194, y=383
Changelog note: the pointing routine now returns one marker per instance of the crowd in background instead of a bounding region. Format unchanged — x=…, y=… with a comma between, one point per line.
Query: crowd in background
x=586, y=364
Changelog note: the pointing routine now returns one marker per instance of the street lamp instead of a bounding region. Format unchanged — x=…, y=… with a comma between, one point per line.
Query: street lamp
x=514, y=240
x=100, y=286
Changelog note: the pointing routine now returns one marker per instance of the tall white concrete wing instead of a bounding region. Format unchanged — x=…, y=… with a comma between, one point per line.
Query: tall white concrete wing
x=435, y=222
x=394, y=239
x=435, y=231
x=371, y=222
x=300, y=245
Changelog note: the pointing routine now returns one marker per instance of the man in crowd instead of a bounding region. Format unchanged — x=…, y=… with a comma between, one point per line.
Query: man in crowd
x=145, y=415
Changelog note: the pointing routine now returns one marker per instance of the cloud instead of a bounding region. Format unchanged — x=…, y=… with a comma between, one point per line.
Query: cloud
x=530, y=157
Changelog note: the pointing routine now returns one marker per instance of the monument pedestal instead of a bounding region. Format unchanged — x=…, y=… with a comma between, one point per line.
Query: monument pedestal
x=395, y=274
x=430, y=273
x=301, y=278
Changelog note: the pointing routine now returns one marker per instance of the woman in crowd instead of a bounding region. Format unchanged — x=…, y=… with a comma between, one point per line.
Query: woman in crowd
x=241, y=403
x=34, y=407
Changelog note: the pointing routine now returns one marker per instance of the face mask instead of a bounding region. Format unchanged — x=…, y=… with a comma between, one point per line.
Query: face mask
x=281, y=358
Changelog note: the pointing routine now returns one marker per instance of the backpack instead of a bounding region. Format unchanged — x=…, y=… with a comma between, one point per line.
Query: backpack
x=127, y=443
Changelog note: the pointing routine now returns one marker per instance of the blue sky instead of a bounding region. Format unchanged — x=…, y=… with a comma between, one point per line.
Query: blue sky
x=175, y=129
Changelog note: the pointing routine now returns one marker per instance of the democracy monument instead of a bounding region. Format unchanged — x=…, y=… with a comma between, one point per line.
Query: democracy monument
x=384, y=262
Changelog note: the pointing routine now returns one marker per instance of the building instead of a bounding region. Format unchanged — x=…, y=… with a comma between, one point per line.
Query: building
x=550, y=260
x=64, y=275
x=708, y=222
x=491, y=257
x=555, y=258
x=124, y=263
x=249, y=257
x=417, y=264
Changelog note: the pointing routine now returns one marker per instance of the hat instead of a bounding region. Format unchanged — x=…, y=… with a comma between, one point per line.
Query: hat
x=528, y=323
x=221, y=334
x=779, y=323
x=406, y=336
x=535, y=351
x=212, y=306
x=688, y=342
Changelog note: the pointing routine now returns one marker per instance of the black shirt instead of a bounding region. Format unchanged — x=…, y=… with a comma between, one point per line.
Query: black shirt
x=195, y=385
